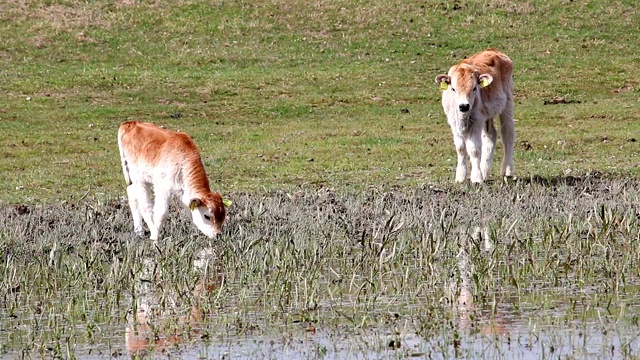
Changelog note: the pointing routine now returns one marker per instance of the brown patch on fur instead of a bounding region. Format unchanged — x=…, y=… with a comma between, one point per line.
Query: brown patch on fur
x=154, y=143
x=213, y=201
x=467, y=78
x=491, y=62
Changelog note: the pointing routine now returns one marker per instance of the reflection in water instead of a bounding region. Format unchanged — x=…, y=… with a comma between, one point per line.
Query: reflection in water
x=463, y=289
x=477, y=331
x=156, y=324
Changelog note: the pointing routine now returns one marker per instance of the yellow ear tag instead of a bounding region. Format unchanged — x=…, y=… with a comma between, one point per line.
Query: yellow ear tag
x=444, y=85
x=227, y=202
x=484, y=83
x=193, y=205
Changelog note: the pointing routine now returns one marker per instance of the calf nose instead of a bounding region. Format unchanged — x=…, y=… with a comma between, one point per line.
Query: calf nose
x=464, y=107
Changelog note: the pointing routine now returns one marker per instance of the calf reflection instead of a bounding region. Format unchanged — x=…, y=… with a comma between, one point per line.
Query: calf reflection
x=462, y=289
x=156, y=323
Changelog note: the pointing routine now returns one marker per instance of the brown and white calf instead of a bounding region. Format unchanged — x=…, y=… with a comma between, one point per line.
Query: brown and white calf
x=168, y=163
x=474, y=92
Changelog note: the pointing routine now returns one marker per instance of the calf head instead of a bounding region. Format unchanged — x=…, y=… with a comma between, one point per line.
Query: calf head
x=208, y=213
x=464, y=84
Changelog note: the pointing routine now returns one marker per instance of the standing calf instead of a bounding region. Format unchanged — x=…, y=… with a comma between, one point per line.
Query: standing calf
x=168, y=162
x=475, y=91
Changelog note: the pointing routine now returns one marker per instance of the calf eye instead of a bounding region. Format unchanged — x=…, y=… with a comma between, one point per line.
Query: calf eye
x=454, y=90
x=475, y=88
x=207, y=217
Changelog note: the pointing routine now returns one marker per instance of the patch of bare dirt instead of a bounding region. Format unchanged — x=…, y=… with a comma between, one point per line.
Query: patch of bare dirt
x=560, y=100
x=512, y=7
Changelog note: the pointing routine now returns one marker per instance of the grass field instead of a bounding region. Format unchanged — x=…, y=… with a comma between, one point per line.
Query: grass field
x=322, y=122
x=288, y=93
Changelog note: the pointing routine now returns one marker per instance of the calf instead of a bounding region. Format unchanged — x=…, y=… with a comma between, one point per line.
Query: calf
x=474, y=92
x=169, y=163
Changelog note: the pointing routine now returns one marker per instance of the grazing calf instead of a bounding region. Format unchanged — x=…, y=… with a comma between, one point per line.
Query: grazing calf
x=474, y=92
x=169, y=163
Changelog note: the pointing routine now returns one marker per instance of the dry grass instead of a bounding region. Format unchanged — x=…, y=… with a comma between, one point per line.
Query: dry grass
x=512, y=8
x=60, y=16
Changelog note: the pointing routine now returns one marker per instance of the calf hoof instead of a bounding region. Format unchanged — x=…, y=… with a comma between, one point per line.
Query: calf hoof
x=509, y=180
x=141, y=233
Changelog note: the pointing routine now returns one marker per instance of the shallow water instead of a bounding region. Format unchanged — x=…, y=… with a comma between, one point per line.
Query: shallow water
x=503, y=330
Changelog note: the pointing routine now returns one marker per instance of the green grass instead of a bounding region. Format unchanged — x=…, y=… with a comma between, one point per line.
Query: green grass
x=265, y=87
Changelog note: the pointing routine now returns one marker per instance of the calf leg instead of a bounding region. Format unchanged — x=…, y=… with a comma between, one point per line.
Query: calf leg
x=140, y=204
x=507, y=131
x=160, y=209
x=461, y=167
x=489, y=136
x=474, y=149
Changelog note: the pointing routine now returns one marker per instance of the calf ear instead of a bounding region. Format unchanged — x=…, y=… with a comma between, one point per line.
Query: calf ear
x=485, y=80
x=194, y=203
x=444, y=81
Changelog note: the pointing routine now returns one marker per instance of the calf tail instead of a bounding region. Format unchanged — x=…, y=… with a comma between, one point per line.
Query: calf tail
x=123, y=158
